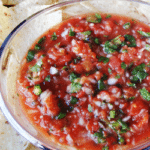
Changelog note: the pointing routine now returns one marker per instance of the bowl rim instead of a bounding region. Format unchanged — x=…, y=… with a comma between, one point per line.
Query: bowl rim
x=3, y=106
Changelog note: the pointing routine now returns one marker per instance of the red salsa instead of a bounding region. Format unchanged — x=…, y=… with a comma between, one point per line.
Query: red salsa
x=86, y=82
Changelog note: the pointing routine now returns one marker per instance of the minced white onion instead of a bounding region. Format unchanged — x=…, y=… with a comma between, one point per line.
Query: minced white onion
x=53, y=70
x=112, y=81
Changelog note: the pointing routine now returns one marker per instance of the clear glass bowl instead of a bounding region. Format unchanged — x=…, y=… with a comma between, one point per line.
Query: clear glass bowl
x=21, y=38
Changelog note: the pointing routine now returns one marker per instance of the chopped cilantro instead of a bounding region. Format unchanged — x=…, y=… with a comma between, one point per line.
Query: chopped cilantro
x=42, y=40
x=123, y=124
x=104, y=77
x=103, y=59
x=121, y=140
x=131, y=39
x=90, y=108
x=131, y=98
x=75, y=87
x=30, y=55
x=112, y=46
x=64, y=67
x=147, y=47
x=54, y=36
x=37, y=66
x=146, y=34
x=48, y=78
x=117, y=76
x=37, y=47
x=117, y=40
x=37, y=89
x=108, y=16
x=105, y=148
x=96, y=40
x=131, y=85
x=105, y=36
x=115, y=124
x=61, y=115
x=110, y=71
x=139, y=73
x=86, y=32
x=73, y=76
x=127, y=25
x=123, y=65
x=94, y=18
x=73, y=100
x=124, y=51
x=145, y=94
x=71, y=33
x=112, y=114
x=101, y=85
x=100, y=136
x=109, y=47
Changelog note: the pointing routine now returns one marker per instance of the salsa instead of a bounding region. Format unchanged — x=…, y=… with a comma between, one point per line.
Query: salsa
x=86, y=82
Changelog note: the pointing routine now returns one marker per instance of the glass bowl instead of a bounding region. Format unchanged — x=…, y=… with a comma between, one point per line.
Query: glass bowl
x=21, y=38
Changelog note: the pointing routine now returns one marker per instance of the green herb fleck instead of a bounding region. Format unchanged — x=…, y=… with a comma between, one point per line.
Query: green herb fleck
x=90, y=108
x=64, y=67
x=105, y=36
x=101, y=85
x=86, y=32
x=100, y=136
x=131, y=85
x=71, y=33
x=42, y=40
x=54, y=36
x=110, y=71
x=108, y=16
x=131, y=39
x=96, y=40
x=37, y=89
x=145, y=94
x=123, y=65
x=121, y=140
x=139, y=73
x=30, y=55
x=73, y=76
x=131, y=98
x=61, y=115
x=146, y=34
x=73, y=100
x=37, y=47
x=112, y=46
x=37, y=66
x=112, y=114
x=123, y=124
x=127, y=25
x=105, y=148
x=124, y=51
x=117, y=76
x=75, y=87
x=103, y=59
x=147, y=47
x=94, y=18
x=48, y=78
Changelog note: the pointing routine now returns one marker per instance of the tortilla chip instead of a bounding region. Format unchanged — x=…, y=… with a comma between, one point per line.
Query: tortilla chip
x=41, y=2
x=9, y=137
x=4, y=22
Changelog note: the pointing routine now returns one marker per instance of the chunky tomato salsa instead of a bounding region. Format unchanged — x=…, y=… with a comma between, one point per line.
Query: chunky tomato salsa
x=86, y=82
